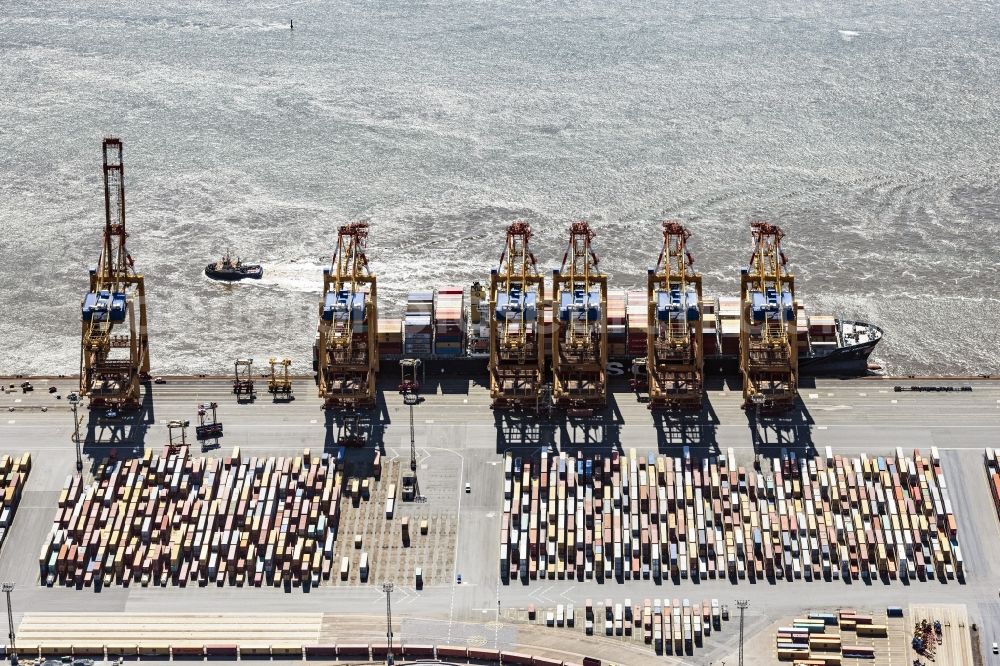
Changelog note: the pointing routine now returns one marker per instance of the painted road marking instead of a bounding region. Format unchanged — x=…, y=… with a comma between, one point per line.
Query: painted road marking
x=11, y=422
x=814, y=396
x=863, y=395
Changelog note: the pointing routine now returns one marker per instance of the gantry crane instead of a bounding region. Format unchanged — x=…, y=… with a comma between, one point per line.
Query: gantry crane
x=768, y=335
x=517, y=354
x=114, y=348
x=347, y=345
x=243, y=384
x=675, y=354
x=580, y=338
x=279, y=384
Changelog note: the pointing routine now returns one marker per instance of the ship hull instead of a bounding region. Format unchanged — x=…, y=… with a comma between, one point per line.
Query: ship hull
x=844, y=361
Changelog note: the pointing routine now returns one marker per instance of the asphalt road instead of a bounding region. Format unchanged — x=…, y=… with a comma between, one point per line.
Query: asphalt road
x=851, y=416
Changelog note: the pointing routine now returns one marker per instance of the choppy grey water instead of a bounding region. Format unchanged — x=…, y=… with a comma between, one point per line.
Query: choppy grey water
x=869, y=132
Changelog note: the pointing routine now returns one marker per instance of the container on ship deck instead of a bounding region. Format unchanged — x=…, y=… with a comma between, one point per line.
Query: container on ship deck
x=729, y=306
x=390, y=330
x=822, y=325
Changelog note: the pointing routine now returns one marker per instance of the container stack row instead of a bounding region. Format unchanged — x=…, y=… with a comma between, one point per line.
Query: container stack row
x=449, y=322
x=418, y=331
x=617, y=327
x=390, y=337
x=710, y=327
x=729, y=325
x=802, y=327
x=171, y=519
x=439, y=323
x=549, y=329
x=13, y=477
x=822, y=332
x=637, y=315
x=992, y=459
x=631, y=517
x=479, y=320
x=672, y=627
x=814, y=641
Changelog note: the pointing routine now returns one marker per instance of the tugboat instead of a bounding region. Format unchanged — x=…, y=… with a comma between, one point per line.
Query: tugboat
x=230, y=270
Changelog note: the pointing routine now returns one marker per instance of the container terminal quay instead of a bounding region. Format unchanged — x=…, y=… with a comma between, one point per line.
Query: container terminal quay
x=459, y=440
x=473, y=476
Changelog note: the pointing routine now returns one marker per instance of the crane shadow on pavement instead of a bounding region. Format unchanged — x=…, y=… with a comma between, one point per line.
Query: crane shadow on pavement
x=790, y=431
x=696, y=430
x=121, y=435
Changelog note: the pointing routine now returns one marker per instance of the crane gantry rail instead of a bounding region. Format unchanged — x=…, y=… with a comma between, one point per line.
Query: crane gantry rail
x=114, y=347
x=675, y=354
x=347, y=345
x=580, y=335
x=768, y=331
x=517, y=353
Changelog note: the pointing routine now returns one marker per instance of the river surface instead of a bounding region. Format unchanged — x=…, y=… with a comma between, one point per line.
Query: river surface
x=869, y=132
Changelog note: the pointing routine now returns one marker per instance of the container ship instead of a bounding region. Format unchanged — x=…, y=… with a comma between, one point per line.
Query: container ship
x=519, y=325
x=451, y=326
x=541, y=340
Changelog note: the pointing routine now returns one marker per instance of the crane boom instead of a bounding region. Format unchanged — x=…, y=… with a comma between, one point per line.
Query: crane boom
x=115, y=263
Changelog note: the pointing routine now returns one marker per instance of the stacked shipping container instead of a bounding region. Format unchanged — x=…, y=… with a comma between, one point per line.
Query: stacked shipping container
x=418, y=333
x=390, y=337
x=449, y=322
x=729, y=324
x=173, y=518
x=637, y=315
x=672, y=627
x=823, y=333
x=806, y=640
x=710, y=327
x=479, y=320
x=678, y=517
x=426, y=329
x=992, y=458
x=13, y=477
x=617, y=329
